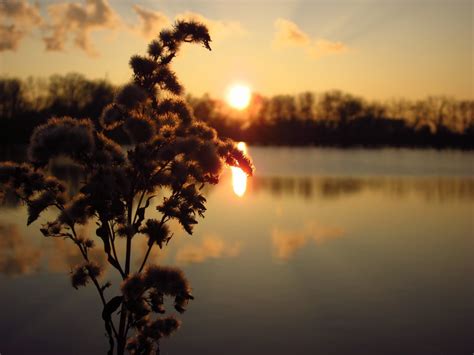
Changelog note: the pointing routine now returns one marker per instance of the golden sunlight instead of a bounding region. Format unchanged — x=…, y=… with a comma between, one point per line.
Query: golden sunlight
x=238, y=96
x=239, y=178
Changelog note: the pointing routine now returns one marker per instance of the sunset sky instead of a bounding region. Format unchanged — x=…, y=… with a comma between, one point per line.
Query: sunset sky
x=377, y=49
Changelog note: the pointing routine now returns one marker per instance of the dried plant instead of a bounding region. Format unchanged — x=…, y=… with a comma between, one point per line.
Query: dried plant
x=169, y=150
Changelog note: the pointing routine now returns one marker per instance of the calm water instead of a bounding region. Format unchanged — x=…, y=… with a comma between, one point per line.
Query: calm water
x=326, y=252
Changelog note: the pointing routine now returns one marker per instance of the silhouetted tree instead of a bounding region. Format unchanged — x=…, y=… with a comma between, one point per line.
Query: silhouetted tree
x=36, y=93
x=332, y=118
x=11, y=97
x=170, y=151
x=74, y=95
x=306, y=102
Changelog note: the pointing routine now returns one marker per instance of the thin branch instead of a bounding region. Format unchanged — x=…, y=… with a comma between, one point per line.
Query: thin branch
x=146, y=257
x=145, y=188
x=112, y=239
x=93, y=278
x=111, y=235
x=164, y=219
x=139, y=206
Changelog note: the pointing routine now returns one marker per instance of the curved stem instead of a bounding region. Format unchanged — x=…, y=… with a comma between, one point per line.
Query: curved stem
x=146, y=257
x=111, y=233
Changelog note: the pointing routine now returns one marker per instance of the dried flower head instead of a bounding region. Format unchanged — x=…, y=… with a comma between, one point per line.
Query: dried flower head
x=81, y=274
x=112, y=116
x=155, y=49
x=143, y=66
x=157, y=232
x=131, y=96
x=61, y=136
x=78, y=210
x=161, y=327
x=140, y=129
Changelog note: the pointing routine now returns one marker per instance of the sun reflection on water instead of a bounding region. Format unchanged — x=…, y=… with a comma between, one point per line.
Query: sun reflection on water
x=239, y=178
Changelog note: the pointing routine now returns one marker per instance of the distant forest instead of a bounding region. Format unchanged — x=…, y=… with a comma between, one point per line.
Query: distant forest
x=331, y=118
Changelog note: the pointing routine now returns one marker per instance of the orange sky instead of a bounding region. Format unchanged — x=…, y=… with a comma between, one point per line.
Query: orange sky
x=374, y=48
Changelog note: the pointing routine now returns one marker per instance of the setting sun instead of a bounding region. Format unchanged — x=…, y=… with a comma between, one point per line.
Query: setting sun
x=238, y=96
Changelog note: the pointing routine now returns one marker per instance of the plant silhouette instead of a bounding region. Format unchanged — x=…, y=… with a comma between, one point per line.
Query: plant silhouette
x=171, y=155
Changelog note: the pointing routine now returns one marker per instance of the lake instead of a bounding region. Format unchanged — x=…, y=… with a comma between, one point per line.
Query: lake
x=323, y=251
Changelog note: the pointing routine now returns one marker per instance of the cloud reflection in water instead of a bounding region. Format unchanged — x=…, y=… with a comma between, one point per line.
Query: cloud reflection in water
x=21, y=255
x=17, y=255
x=286, y=243
x=211, y=247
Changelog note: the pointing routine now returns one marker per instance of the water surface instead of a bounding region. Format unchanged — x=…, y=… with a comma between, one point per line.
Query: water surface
x=327, y=251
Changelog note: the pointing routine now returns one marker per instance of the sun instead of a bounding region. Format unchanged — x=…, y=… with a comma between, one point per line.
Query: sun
x=238, y=96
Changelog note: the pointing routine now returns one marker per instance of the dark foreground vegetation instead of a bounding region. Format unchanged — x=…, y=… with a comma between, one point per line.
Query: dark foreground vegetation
x=170, y=157
x=327, y=119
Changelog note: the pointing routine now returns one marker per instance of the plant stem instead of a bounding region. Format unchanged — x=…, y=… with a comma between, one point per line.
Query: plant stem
x=146, y=257
x=130, y=233
x=111, y=233
x=93, y=278
x=164, y=218
x=122, y=337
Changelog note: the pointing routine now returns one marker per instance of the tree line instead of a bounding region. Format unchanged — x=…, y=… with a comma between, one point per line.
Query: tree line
x=335, y=118
x=332, y=118
x=25, y=104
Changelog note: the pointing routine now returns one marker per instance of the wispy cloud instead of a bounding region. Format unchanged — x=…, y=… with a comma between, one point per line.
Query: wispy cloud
x=150, y=22
x=212, y=247
x=78, y=21
x=20, y=256
x=17, y=19
x=288, y=34
x=286, y=243
x=323, y=47
x=63, y=255
x=218, y=29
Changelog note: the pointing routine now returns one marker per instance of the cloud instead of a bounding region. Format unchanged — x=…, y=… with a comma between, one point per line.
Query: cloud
x=218, y=29
x=288, y=34
x=212, y=247
x=79, y=21
x=63, y=255
x=17, y=255
x=286, y=243
x=17, y=19
x=150, y=22
x=20, y=256
x=323, y=46
x=10, y=37
x=20, y=10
